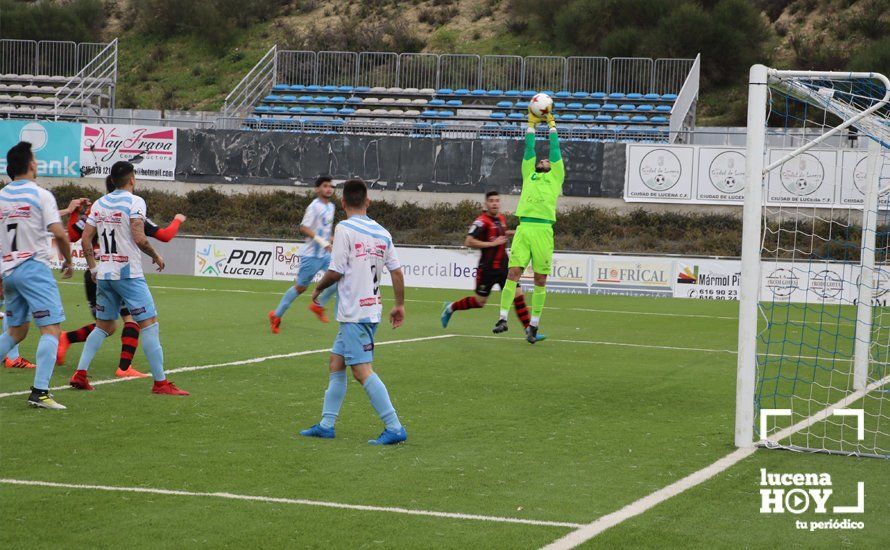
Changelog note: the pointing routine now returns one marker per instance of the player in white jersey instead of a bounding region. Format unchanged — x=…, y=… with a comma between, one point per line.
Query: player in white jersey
x=118, y=219
x=361, y=251
x=27, y=212
x=315, y=255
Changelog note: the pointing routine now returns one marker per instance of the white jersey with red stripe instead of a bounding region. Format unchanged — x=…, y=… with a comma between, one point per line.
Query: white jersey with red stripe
x=119, y=257
x=362, y=248
x=26, y=211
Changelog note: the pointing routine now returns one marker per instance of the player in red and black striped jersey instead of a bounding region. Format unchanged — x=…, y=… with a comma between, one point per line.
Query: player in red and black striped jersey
x=130, y=332
x=489, y=234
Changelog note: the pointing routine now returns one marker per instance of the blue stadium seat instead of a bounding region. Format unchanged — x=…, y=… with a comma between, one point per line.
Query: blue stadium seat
x=305, y=99
x=313, y=89
x=663, y=108
x=658, y=120
x=344, y=89
x=651, y=97
x=361, y=89
x=297, y=88
x=454, y=103
x=568, y=117
x=289, y=98
x=272, y=97
x=516, y=116
x=346, y=111
x=559, y=105
x=598, y=95
x=634, y=96
x=495, y=93
x=593, y=106
x=551, y=93
x=295, y=110
x=354, y=100
x=621, y=118
x=563, y=94
x=603, y=118
x=329, y=89
x=638, y=118
x=522, y=104
x=645, y=108
x=337, y=99
x=329, y=111
x=436, y=102
x=313, y=110
x=479, y=92
x=580, y=95
x=513, y=93
x=280, y=88
x=439, y=125
x=528, y=93
x=445, y=114
x=669, y=97
x=505, y=104
x=279, y=109
x=262, y=109
x=498, y=116
x=609, y=107
x=616, y=95
x=444, y=91
x=574, y=106
x=585, y=118
x=428, y=113
x=626, y=107
x=321, y=99
x=462, y=92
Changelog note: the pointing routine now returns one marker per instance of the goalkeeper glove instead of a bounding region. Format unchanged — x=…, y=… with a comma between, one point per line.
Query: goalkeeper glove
x=551, y=121
x=533, y=120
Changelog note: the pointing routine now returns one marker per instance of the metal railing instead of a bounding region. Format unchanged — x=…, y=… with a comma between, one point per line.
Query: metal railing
x=683, y=110
x=255, y=84
x=46, y=57
x=455, y=71
x=91, y=90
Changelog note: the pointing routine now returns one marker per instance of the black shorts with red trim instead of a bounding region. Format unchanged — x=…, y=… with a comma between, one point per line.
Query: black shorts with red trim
x=486, y=279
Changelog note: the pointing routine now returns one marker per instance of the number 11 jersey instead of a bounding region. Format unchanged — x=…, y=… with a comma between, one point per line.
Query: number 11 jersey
x=361, y=249
x=119, y=257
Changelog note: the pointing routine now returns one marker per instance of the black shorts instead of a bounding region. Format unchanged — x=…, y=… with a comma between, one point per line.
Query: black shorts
x=91, y=288
x=486, y=279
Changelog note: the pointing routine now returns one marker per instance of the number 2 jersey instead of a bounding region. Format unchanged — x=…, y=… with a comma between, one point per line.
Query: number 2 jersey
x=362, y=248
x=119, y=257
x=26, y=211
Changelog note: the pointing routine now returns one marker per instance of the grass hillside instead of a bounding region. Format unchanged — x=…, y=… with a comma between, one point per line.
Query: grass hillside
x=189, y=55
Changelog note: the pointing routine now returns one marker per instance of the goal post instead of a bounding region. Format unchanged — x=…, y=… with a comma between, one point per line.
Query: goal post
x=814, y=321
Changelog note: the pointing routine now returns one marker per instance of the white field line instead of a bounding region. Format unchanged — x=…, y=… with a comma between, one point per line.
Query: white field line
x=241, y=362
x=297, y=501
x=582, y=535
x=588, y=310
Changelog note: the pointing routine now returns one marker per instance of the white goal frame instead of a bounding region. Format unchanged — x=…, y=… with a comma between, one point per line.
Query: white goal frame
x=756, y=172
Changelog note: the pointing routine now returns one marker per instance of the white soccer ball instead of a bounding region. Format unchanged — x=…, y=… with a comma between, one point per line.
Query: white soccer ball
x=541, y=105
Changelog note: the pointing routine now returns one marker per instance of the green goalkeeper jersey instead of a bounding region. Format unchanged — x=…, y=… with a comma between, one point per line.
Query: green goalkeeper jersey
x=540, y=190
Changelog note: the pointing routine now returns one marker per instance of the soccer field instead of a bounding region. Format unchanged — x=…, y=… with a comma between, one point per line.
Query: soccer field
x=509, y=445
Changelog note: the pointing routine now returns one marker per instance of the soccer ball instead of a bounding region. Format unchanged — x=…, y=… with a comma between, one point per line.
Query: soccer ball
x=541, y=105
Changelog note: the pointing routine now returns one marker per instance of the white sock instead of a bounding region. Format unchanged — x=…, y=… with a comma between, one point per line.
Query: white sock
x=504, y=314
x=534, y=321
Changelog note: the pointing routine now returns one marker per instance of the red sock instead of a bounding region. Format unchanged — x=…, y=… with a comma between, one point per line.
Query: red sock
x=129, y=342
x=521, y=310
x=465, y=303
x=80, y=335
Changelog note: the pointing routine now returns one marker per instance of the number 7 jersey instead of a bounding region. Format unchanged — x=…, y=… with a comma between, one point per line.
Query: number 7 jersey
x=119, y=257
x=362, y=248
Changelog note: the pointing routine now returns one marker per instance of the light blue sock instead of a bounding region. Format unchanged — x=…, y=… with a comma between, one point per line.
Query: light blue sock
x=91, y=347
x=7, y=344
x=286, y=301
x=151, y=345
x=380, y=401
x=333, y=399
x=46, y=360
x=326, y=295
x=13, y=352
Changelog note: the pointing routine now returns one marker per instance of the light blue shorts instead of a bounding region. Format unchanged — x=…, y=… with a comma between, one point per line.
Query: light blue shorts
x=355, y=342
x=132, y=293
x=30, y=292
x=309, y=266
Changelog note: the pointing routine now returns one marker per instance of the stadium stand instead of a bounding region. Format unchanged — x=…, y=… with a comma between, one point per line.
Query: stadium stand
x=57, y=80
x=626, y=99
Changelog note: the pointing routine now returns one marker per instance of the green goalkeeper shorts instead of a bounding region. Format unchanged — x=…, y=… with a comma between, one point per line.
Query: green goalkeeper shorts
x=533, y=243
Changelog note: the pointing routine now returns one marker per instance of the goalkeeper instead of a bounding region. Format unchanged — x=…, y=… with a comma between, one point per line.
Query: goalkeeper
x=533, y=243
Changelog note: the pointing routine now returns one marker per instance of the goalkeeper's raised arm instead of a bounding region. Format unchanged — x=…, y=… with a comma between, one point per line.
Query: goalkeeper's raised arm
x=556, y=165
x=528, y=156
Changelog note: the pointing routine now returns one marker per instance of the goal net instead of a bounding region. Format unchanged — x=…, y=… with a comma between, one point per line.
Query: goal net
x=814, y=333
